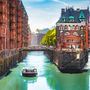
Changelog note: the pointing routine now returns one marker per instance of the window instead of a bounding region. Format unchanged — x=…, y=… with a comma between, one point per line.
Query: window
x=81, y=27
x=71, y=19
x=67, y=40
x=75, y=33
x=69, y=28
x=63, y=19
x=77, y=46
x=61, y=31
x=61, y=27
x=65, y=27
x=81, y=35
x=72, y=41
x=73, y=27
x=84, y=27
x=77, y=28
x=67, y=33
x=89, y=18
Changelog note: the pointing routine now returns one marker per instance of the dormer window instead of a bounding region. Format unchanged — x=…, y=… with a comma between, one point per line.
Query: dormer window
x=71, y=19
x=63, y=19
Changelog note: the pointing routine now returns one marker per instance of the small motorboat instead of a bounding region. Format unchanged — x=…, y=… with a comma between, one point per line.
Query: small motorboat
x=29, y=72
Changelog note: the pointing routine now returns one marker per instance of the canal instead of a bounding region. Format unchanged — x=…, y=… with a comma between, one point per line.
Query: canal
x=48, y=78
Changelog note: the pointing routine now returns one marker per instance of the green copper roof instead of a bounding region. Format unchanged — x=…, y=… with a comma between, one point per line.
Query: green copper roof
x=71, y=17
x=81, y=15
x=63, y=17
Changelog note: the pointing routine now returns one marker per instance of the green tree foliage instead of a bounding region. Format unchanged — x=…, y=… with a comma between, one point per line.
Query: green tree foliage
x=49, y=38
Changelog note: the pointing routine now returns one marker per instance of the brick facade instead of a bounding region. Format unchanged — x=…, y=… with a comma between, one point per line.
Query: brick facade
x=71, y=29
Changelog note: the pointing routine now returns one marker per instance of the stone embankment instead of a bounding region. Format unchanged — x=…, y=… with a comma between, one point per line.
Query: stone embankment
x=10, y=58
x=68, y=61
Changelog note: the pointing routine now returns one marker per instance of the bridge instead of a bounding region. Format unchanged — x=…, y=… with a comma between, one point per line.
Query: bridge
x=37, y=48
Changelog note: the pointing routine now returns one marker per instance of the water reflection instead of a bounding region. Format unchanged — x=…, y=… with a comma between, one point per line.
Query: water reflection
x=48, y=78
x=29, y=80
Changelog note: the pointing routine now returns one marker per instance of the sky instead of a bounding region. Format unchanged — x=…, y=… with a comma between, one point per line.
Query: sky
x=45, y=13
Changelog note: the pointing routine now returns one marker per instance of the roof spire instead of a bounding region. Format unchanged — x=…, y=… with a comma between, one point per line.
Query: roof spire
x=81, y=16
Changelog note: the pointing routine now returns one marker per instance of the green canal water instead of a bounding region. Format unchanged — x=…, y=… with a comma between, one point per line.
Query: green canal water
x=48, y=78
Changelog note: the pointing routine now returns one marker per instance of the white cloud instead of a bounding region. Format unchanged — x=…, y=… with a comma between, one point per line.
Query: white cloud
x=61, y=2
x=48, y=16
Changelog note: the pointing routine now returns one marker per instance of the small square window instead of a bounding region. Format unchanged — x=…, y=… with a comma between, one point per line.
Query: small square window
x=67, y=40
x=63, y=20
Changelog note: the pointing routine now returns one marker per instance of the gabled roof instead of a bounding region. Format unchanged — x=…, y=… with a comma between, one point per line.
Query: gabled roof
x=81, y=16
x=70, y=13
x=76, y=14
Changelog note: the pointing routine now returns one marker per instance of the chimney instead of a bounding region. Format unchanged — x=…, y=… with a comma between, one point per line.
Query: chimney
x=62, y=11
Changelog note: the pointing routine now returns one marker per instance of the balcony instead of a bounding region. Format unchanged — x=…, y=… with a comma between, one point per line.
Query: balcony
x=2, y=35
x=2, y=1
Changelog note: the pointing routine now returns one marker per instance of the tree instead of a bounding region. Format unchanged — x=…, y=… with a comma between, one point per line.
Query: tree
x=49, y=38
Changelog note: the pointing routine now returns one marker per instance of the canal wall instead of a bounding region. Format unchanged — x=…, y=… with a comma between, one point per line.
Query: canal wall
x=10, y=58
x=67, y=60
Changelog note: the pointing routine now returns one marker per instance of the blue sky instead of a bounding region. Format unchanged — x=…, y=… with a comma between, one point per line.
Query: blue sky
x=45, y=13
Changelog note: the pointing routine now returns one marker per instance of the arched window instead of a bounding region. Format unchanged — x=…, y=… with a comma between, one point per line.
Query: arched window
x=73, y=27
x=75, y=33
x=77, y=27
x=63, y=19
x=69, y=27
x=81, y=27
x=65, y=27
x=84, y=27
x=67, y=33
x=61, y=27
x=71, y=19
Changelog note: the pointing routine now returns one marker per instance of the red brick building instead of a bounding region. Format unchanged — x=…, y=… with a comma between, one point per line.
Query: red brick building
x=88, y=30
x=13, y=24
x=71, y=29
x=29, y=37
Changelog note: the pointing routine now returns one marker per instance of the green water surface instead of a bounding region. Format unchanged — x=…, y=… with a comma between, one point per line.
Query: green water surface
x=48, y=78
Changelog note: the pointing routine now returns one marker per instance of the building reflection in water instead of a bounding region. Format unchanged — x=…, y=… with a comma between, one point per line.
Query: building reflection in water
x=63, y=81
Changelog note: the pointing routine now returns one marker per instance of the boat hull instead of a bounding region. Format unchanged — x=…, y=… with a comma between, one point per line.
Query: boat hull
x=29, y=74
